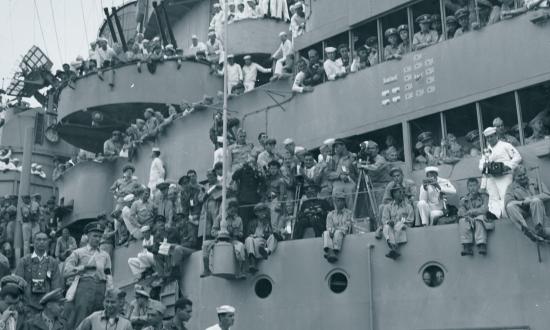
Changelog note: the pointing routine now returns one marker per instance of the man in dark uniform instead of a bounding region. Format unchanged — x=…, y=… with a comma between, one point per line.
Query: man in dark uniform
x=473, y=223
x=94, y=269
x=51, y=317
x=39, y=270
x=11, y=293
x=184, y=308
x=250, y=184
x=313, y=213
x=29, y=216
x=315, y=71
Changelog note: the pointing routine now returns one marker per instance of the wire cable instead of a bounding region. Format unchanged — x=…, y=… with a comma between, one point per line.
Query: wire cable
x=84, y=21
x=55, y=30
x=41, y=29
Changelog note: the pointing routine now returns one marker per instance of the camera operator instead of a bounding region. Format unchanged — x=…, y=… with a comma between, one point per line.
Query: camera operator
x=497, y=164
x=431, y=201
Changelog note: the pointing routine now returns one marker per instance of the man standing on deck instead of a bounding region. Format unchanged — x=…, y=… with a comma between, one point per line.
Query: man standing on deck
x=109, y=318
x=250, y=73
x=157, y=172
x=94, y=269
x=343, y=172
x=498, y=123
x=226, y=317
x=499, y=160
x=285, y=49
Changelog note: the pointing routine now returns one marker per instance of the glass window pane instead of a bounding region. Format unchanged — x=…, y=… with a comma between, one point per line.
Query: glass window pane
x=500, y=112
x=427, y=24
x=462, y=134
x=535, y=111
x=426, y=141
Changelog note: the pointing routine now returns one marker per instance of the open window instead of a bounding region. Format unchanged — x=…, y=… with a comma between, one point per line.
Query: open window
x=426, y=136
x=427, y=13
x=342, y=43
x=500, y=112
x=535, y=111
x=366, y=35
x=462, y=134
x=392, y=21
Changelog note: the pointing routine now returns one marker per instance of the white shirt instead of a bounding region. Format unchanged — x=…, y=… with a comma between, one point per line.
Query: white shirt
x=157, y=173
x=199, y=47
x=250, y=72
x=34, y=255
x=285, y=48
x=297, y=25
x=298, y=85
x=234, y=73
x=215, y=327
x=105, y=55
x=432, y=194
x=332, y=68
x=240, y=15
x=253, y=13
x=501, y=152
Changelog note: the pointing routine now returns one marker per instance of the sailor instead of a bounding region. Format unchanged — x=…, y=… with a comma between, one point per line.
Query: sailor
x=392, y=51
x=473, y=222
x=268, y=155
x=343, y=173
x=250, y=73
x=261, y=242
x=39, y=270
x=339, y=224
x=397, y=215
x=313, y=212
x=214, y=49
x=216, y=23
x=463, y=17
x=108, y=318
x=298, y=20
x=431, y=201
x=405, y=45
x=145, y=259
x=333, y=70
x=425, y=37
x=226, y=317
x=525, y=205
x=285, y=49
x=279, y=10
x=234, y=73
x=157, y=173
x=11, y=293
x=452, y=26
x=253, y=10
x=51, y=317
x=498, y=123
x=183, y=309
x=94, y=269
x=240, y=13
x=498, y=161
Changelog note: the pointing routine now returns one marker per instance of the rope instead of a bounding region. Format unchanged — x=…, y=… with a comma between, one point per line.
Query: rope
x=41, y=29
x=55, y=30
x=84, y=20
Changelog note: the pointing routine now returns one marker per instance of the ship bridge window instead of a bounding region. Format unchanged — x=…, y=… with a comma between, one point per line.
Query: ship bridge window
x=359, y=37
x=426, y=136
x=535, y=111
x=433, y=9
x=393, y=21
x=462, y=138
x=503, y=107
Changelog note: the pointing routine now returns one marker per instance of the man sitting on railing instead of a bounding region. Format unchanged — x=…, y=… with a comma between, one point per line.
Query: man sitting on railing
x=281, y=54
x=431, y=201
x=397, y=215
x=196, y=46
x=474, y=223
x=261, y=242
x=339, y=224
x=112, y=147
x=214, y=51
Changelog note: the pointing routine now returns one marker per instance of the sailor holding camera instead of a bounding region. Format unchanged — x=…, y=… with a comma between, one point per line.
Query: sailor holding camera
x=432, y=198
x=497, y=163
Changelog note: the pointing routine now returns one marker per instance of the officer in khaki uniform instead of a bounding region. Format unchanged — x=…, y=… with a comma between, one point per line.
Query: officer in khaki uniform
x=39, y=270
x=473, y=223
x=339, y=224
x=51, y=318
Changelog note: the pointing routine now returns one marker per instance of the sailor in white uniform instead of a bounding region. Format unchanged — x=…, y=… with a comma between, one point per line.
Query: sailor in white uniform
x=250, y=73
x=333, y=68
x=285, y=49
x=226, y=316
x=431, y=204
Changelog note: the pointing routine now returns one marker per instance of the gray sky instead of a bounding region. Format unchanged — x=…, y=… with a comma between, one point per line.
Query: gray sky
x=20, y=29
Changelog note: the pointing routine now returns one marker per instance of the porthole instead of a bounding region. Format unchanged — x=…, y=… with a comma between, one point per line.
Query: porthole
x=433, y=276
x=338, y=282
x=263, y=288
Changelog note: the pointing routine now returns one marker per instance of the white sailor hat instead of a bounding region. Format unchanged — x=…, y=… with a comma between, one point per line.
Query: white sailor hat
x=288, y=141
x=155, y=149
x=230, y=56
x=299, y=149
x=247, y=57
x=169, y=46
x=145, y=228
x=282, y=33
x=330, y=49
x=194, y=36
x=489, y=131
x=329, y=142
x=217, y=5
x=298, y=4
x=225, y=309
x=38, y=167
x=128, y=198
x=429, y=169
x=33, y=165
x=101, y=39
x=211, y=33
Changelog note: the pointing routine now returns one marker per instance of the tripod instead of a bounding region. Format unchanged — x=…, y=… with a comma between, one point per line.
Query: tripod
x=365, y=178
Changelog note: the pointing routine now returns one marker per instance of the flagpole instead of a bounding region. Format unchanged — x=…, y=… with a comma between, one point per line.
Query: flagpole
x=224, y=145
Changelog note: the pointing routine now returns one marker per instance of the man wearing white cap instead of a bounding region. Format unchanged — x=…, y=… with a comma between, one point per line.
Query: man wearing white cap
x=285, y=49
x=131, y=224
x=253, y=11
x=196, y=46
x=216, y=23
x=279, y=9
x=250, y=72
x=145, y=259
x=214, y=49
x=234, y=73
x=333, y=69
x=104, y=52
x=497, y=163
x=157, y=172
x=298, y=20
x=240, y=13
x=226, y=316
x=431, y=203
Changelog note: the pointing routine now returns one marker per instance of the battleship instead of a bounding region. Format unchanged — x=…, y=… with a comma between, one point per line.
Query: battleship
x=456, y=86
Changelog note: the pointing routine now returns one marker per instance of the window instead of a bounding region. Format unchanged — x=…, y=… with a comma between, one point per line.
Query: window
x=318, y=47
x=429, y=11
x=390, y=142
x=433, y=276
x=263, y=288
x=392, y=21
x=463, y=20
x=503, y=107
x=341, y=43
x=360, y=35
x=426, y=140
x=462, y=137
x=535, y=111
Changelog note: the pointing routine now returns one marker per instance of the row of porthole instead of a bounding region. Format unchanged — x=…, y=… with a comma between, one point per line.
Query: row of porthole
x=432, y=275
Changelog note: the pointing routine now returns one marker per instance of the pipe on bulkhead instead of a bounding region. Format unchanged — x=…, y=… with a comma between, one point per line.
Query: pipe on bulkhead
x=110, y=24
x=159, y=23
x=119, y=29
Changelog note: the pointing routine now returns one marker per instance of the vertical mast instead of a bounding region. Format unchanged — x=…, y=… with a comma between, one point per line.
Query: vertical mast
x=225, y=92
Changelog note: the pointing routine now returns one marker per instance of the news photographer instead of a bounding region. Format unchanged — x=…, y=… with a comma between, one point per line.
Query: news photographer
x=497, y=163
x=432, y=201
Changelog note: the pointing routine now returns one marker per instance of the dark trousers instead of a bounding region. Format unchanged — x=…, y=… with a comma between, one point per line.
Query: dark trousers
x=303, y=223
x=89, y=297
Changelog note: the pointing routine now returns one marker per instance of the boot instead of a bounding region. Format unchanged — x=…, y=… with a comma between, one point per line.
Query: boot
x=263, y=252
x=252, y=265
x=467, y=250
x=331, y=256
x=206, y=271
x=482, y=249
x=378, y=233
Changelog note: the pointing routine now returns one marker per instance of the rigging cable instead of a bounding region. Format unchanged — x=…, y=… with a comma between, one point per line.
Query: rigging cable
x=41, y=30
x=55, y=30
x=84, y=20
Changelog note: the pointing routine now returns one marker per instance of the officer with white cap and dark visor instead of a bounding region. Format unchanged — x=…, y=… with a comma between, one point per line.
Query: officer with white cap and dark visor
x=226, y=317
